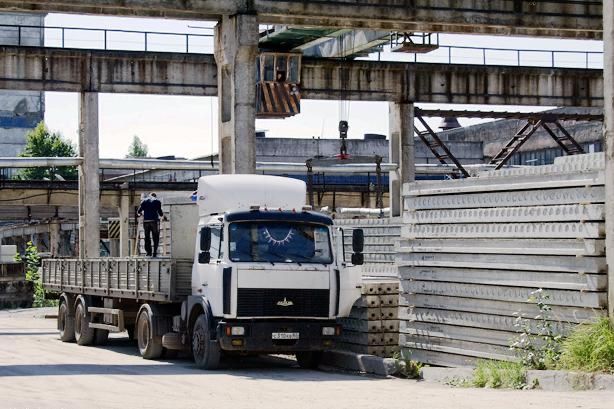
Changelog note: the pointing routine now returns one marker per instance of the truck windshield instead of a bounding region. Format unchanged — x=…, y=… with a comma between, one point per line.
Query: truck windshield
x=279, y=242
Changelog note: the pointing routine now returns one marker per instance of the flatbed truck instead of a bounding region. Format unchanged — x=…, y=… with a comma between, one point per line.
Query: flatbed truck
x=251, y=271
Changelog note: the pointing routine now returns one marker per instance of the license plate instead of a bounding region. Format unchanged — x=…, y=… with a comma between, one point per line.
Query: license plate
x=285, y=335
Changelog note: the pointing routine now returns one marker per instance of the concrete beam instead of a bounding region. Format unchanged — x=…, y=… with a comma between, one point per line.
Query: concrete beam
x=49, y=69
x=446, y=83
x=66, y=70
x=577, y=19
x=608, y=135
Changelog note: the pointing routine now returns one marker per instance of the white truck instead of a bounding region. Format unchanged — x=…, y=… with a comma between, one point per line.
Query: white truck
x=251, y=271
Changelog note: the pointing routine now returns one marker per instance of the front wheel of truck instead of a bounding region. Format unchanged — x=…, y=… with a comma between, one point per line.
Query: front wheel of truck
x=309, y=359
x=206, y=351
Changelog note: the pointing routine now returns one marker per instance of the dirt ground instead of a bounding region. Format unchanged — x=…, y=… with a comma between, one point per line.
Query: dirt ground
x=39, y=371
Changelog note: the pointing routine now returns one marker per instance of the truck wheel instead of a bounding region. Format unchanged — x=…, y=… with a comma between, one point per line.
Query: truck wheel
x=309, y=359
x=66, y=323
x=150, y=345
x=101, y=337
x=83, y=333
x=206, y=353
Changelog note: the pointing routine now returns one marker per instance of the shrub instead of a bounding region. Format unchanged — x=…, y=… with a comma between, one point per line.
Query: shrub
x=32, y=263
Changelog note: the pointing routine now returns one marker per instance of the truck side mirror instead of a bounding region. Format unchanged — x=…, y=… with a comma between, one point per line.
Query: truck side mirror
x=358, y=259
x=204, y=257
x=358, y=241
x=205, y=239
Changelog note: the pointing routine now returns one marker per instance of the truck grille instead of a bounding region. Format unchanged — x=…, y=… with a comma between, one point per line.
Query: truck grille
x=264, y=302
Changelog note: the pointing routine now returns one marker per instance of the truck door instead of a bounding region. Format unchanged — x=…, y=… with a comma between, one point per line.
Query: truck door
x=348, y=277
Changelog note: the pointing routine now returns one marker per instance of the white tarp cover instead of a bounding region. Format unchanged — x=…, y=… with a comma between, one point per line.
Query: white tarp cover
x=222, y=193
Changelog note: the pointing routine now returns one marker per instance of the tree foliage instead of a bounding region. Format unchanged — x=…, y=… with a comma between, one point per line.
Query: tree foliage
x=32, y=262
x=137, y=149
x=40, y=142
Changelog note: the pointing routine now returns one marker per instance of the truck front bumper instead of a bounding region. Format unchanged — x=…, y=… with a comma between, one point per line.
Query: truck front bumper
x=259, y=336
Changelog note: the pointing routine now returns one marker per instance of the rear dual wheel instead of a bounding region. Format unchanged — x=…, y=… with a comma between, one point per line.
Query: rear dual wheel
x=66, y=323
x=84, y=335
x=150, y=344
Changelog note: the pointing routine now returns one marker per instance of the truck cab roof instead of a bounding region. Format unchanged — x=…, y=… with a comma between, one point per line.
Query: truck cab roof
x=281, y=215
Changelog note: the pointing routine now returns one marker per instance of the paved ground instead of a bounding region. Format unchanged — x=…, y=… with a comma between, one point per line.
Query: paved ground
x=39, y=371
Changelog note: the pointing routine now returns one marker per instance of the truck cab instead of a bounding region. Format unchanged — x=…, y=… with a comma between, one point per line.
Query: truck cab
x=269, y=274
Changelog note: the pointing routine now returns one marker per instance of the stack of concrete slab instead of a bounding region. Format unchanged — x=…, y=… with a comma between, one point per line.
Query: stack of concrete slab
x=373, y=325
x=473, y=250
x=381, y=235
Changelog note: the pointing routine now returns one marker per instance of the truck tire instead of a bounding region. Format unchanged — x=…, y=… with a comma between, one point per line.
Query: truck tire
x=66, y=323
x=309, y=359
x=83, y=333
x=150, y=345
x=101, y=337
x=205, y=352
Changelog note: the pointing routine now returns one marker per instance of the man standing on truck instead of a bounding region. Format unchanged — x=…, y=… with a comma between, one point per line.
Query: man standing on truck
x=151, y=210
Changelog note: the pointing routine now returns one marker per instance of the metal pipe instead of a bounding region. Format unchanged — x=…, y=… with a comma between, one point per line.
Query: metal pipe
x=279, y=167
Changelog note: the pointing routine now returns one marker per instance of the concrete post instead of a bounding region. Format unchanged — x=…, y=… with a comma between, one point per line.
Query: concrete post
x=401, y=151
x=54, y=237
x=89, y=184
x=124, y=224
x=236, y=49
x=608, y=129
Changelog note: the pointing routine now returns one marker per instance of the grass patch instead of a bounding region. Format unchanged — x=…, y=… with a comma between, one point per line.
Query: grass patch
x=499, y=374
x=589, y=348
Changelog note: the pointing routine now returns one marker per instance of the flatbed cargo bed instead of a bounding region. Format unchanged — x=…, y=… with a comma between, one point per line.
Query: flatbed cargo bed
x=139, y=278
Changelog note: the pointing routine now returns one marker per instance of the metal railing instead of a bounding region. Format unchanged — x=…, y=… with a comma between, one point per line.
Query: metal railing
x=103, y=39
x=154, y=41
x=452, y=54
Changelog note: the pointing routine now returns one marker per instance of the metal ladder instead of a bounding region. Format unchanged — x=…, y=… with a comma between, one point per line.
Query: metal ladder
x=435, y=144
x=566, y=141
x=514, y=144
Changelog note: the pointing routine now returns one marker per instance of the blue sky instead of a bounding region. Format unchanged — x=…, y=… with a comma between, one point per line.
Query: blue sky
x=187, y=126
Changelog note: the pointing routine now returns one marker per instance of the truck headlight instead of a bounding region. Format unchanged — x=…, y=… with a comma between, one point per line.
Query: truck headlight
x=237, y=331
x=328, y=331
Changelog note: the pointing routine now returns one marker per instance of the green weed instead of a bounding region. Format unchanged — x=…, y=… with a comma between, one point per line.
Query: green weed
x=499, y=374
x=589, y=347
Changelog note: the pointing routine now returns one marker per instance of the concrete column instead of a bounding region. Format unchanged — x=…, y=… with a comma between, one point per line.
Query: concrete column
x=54, y=237
x=236, y=49
x=608, y=129
x=124, y=225
x=89, y=185
x=401, y=151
